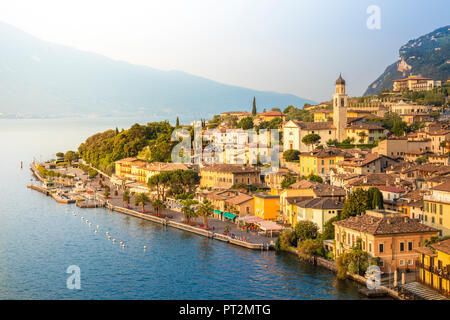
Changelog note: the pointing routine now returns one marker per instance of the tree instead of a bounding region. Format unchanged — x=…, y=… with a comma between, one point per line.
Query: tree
x=245, y=123
x=106, y=193
x=362, y=136
x=141, y=198
x=291, y=155
x=205, y=209
x=254, y=107
x=332, y=142
x=177, y=123
x=314, y=178
x=421, y=160
x=355, y=203
x=60, y=155
x=328, y=229
x=285, y=240
x=399, y=128
x=306, y=230
x=311, y=139
x=355, y=261
x=309, y=247
x=374, y=199
x=288, y=180
x=126, y=197
x=187, y=209
x=71, y=156
x=157, y=205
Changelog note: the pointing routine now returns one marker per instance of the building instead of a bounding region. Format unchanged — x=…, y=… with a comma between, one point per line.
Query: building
x=371, y=163
x=415, y=83
x=340, y=103
x=232, y=201
x=224, y=176
x=436, y=208
x=140, y=171
x=439, y=140
x=266, y=206
x=403, y=108
x=365, y=133
x=294, y=131
x=317, y=210
x=385, y=235
x=434, y=266
x=321, y=161
x=398, y=147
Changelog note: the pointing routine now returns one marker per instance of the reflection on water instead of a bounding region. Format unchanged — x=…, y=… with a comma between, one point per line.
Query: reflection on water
x=40, y=238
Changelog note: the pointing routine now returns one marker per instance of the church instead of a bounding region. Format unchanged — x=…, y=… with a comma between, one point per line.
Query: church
x=294, y=131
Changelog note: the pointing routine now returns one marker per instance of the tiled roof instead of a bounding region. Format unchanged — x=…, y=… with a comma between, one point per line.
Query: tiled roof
x=315, y=125
x=366, y=126
x=326, y=190
x=233, y=168
x=443, y=246
x=321, y=203
x=391, y=189
x=386, y=225
x=443, y=187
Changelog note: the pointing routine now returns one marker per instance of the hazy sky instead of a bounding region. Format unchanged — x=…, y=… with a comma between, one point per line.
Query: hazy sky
x=296, y=47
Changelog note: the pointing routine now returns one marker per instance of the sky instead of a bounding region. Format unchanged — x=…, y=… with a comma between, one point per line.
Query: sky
x=287, y=46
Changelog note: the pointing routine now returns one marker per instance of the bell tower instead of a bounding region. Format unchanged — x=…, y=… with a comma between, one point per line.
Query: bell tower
x=340, y=109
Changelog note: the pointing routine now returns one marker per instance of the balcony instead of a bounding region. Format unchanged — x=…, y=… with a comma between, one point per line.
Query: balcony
x=442, y=272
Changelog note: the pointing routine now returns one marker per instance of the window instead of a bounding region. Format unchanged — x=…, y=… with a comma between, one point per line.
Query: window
x=370, y=246
x=432, y=219
x=402, y=262
x=402, y=246
x=410, y=262
x=440, y=209
x=381, y=247
x=410, y=246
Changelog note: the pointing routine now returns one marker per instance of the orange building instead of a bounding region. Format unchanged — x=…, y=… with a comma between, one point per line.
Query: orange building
x=387, y=235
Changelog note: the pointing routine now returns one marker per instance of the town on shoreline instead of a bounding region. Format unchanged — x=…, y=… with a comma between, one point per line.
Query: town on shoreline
x=360, y=186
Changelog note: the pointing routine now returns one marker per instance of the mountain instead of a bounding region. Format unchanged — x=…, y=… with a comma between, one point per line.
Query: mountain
x=428, y=56
x=42, y=79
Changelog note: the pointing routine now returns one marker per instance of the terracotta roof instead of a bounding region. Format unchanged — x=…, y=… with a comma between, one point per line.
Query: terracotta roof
x=391, y=189
x=315, y=125
x=443, y=187
x=413, y=78
x=271, y=114
x=303, y=184
x=327, y=152
x=326, y=190
x=233, y=168
x=386, y=225
x=443, y=246
x=322, y=111
x=426, y=250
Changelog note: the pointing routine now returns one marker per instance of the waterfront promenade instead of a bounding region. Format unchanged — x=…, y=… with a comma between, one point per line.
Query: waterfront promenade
x=115, y=202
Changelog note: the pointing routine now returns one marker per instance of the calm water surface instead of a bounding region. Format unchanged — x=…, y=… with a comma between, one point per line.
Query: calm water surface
x=40, y=238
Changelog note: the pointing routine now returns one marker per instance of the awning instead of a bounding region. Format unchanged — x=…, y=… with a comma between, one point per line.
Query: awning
x=229, y=215
x=218, y=211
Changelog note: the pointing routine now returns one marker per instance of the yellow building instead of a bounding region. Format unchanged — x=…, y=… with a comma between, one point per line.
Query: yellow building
x=434, y=266
x=224, y=176
x=365, y=133
x=319, y=162
x=266, y=206
x=323, y=115
x=436, y=208
x=317, y=210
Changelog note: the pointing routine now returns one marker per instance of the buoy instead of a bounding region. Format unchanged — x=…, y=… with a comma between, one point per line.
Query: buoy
x=95, y=231
x=109, y=237
x=145, y=247
x=98, y=226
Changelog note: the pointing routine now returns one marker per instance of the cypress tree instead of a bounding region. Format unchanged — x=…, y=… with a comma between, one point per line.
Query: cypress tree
x=177, y=123
x=254, y=107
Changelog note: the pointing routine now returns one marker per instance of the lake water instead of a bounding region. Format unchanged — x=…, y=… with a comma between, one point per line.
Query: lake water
x=40, y=239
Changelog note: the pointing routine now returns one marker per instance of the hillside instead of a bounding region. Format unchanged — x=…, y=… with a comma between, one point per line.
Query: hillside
x=428, y=56
x=42, y=79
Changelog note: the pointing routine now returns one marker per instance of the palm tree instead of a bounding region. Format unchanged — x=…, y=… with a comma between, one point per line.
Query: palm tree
x=187, y=209
x=142, y=199
x=158, y=205
x=205, y=209
x=126, y=197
